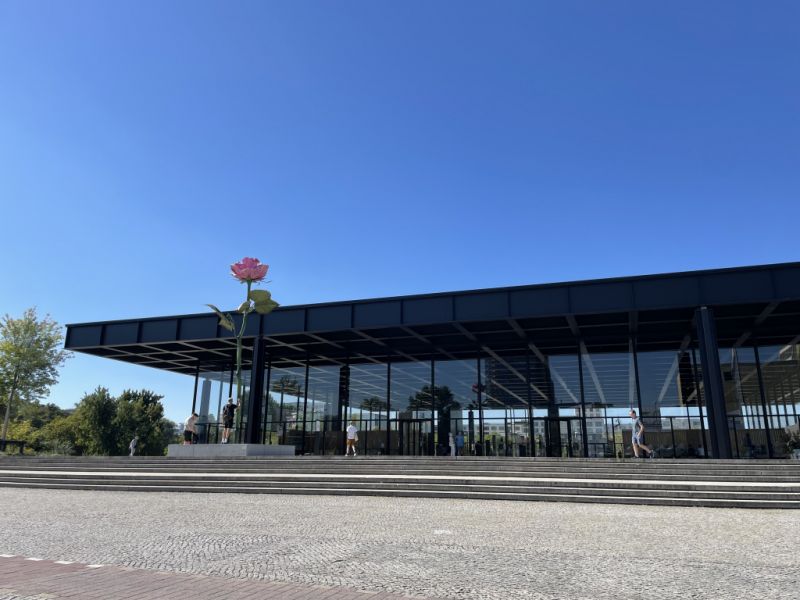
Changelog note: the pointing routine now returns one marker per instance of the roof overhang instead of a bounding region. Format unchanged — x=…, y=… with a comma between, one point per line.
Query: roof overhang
x=551, y=318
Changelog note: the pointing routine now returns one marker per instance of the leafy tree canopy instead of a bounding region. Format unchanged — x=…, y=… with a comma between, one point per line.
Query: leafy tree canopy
x=31, y=350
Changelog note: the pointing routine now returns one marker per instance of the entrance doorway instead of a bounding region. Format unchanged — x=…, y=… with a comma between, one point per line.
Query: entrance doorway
x=413, y=438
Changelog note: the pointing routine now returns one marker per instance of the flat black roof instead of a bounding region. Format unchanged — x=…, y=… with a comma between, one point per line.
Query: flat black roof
x=449, y=325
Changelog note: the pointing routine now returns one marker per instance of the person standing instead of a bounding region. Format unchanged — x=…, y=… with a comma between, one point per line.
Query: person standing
x=352, y=438
x=459, y=444
x=638, y=436
x=132, y=445
x=452, y=443
x=190, y=429
x=228, y=412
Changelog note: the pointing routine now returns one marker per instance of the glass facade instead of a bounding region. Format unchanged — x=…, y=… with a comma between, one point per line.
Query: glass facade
x=762, y=397
x=573, y=401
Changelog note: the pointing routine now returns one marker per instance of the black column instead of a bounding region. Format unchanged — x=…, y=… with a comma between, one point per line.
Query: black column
x=252, y=432
x=712, y=377
x=552, y=433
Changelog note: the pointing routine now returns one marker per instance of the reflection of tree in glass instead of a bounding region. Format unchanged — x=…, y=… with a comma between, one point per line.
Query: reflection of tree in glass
x=286, y=385
x=373, y=404
x=443, y=399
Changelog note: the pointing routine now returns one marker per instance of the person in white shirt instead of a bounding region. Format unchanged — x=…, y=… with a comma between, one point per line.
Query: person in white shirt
x=352, y=438
x=189, y=429
x=132, y=445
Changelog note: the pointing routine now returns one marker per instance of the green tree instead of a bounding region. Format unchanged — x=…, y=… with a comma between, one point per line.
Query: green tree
x=30, y=354
x=39, y=414
x=94, y=416
x=141, y=413
x=61, y=436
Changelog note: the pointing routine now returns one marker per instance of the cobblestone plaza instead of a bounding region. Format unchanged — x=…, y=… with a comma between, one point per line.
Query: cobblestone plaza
x=421, y=547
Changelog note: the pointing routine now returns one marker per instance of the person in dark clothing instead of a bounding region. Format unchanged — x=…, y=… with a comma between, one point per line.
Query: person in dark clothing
x=228, y=413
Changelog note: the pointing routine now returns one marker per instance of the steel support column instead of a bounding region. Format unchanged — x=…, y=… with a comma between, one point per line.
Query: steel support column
x=712, y=377
x=252, y=432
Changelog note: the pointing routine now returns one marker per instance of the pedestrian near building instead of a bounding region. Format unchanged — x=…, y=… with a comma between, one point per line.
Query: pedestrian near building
x=452, y=443
x=459, y=444
x=352, y=438
x=228, y=413
x=637, y=436
x=190, y=429
x=132, y=445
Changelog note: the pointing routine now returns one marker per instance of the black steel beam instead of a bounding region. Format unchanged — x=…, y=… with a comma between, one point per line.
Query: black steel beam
x=712, y=378
x=255, y=398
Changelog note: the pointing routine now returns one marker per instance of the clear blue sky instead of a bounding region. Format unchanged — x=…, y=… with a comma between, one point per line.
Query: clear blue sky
x=377, y=148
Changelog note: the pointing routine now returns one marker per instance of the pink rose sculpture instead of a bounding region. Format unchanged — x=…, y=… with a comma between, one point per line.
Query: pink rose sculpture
x=249, y=270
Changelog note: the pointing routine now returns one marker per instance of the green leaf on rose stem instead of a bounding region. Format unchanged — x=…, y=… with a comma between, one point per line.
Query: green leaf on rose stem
x=224, y=320
x=259, y=295
x=245, y=307
x=266, y=307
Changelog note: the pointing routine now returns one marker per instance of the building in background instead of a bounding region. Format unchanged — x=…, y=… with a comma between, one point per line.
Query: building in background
x=709, y=359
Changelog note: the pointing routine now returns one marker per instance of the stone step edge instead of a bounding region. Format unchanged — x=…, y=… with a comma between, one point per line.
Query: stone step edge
x=699, y=502
x=605, y=491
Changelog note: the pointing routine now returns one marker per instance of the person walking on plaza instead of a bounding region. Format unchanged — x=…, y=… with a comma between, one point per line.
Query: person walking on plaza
x=190, y=429
x=452, y=443
x=638, y=436
x=132, y=445
x=228, y=413
x=352, y=438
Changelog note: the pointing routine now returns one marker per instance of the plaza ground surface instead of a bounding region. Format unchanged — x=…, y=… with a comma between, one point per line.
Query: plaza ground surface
x=283, y=546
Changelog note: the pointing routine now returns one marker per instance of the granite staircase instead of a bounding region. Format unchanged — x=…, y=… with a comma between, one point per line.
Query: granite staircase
x=710, y=483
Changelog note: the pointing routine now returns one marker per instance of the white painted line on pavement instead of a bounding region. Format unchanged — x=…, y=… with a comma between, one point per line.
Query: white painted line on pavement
x=7, y=555
x=93, y=566
x=64, y=562
x=34, y=559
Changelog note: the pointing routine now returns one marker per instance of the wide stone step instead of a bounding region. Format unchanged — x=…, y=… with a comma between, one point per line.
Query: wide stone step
x=338, y=478
x=299, y=463
x=643, y=474
x=608, y=489
x=484, y=495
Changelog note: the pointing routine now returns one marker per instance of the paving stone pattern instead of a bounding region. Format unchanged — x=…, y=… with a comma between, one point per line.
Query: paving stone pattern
x=427, y=547
x=23, y=579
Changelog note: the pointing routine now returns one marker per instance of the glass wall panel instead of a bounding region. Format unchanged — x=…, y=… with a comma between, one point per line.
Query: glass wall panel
x=746, y=417
x=369, y=406
x=411, y=409
x=287, y=391
x=213, y=390
x=506, y=402
x=455, y=403
x=780, y=371
x=324, y=423
x=672, y=403
x=556, y=396
x=609, y=384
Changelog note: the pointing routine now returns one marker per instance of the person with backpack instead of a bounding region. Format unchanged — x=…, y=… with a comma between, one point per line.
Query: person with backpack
x=228, y=412
x=638, y=436
x=352, y=438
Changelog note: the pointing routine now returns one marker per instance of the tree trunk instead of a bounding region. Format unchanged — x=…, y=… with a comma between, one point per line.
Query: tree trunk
x=8, y=408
